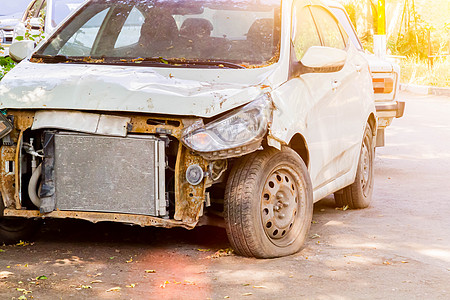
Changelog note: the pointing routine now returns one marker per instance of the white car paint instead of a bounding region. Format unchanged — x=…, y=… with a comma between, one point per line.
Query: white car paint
x=329, y=110
x=386, y=104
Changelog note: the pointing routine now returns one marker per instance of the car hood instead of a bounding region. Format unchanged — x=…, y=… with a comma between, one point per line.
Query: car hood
x=378, y=65
x=9, y=21
x=174, y=91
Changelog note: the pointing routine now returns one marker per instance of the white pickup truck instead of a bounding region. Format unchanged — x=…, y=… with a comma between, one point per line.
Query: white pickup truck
x=385, y=77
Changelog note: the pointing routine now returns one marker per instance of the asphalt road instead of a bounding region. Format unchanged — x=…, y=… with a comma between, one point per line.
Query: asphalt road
x=398, y=248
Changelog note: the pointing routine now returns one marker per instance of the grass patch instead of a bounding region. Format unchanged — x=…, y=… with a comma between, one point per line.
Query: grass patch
x=417, y=71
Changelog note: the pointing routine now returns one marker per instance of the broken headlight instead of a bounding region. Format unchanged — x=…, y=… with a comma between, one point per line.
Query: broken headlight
x=5, y=126
x=243, y=127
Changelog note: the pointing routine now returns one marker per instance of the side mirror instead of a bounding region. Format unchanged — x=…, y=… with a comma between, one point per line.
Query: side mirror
x=324, y=59
x=19, y=50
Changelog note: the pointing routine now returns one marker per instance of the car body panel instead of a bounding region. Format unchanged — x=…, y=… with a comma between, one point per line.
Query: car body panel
x=386, y=104
x=330, y=110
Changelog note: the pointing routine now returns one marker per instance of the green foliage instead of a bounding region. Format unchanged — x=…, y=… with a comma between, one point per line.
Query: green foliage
x=6, y=64
x=28, y=35
x=419, y=71
x=413, y=41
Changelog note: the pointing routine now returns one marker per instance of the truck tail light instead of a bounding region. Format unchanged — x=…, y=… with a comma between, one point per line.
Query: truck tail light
x=383, y=85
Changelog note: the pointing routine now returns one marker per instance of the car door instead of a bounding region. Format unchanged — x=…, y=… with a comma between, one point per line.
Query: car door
x=345, y=100
x=313, y=104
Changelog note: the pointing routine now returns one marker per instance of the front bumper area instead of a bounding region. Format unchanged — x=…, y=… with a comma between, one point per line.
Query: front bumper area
x=187, y=200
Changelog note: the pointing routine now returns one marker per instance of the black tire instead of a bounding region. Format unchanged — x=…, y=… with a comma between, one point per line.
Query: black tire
x=13, y=230
x=268, y=204
x=359, y=193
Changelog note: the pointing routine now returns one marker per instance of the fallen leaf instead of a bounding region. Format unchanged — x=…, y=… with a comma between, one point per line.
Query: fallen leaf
x=387, y=262
x=150, y=271
x=112, y=257
x=114, y=289
x=130, y=260
x=187, y=282
x=86, y=287
x=246, y=284
x=42, y=277
x=259, y=287
x=221, y=253
x=96, y=281
x=22, y=298
x=314, y=236
x=22, y=243
x=163, y=285
x=342, y=208
x=247, y=294
x=204, y=250
x=1, y=250
x=226, y=297
x=404, y=262
x=131, y=285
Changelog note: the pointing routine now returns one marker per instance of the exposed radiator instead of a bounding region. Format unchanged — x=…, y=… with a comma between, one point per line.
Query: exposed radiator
x=110, y=174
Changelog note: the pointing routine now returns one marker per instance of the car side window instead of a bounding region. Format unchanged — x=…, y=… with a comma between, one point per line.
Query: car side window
x=304, y=31
x=329, y=29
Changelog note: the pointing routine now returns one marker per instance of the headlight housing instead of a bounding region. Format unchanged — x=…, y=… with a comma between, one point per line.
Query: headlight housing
x=232, y=134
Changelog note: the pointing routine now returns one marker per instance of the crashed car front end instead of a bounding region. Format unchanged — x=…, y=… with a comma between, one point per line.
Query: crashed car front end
x=128, y=138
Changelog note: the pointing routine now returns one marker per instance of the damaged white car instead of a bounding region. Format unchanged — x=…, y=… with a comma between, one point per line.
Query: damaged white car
x=184, y=113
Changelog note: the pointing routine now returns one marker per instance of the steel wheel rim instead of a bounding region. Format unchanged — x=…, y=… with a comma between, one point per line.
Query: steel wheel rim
x=366, y=167
x=282, y=206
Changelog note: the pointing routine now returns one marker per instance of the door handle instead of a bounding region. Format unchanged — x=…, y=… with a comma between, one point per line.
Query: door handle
x=358, y=68
x=335, y=84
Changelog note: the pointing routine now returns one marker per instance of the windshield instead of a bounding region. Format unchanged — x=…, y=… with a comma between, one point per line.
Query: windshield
x=238, y=32
x=8, y=7
x=62, y=8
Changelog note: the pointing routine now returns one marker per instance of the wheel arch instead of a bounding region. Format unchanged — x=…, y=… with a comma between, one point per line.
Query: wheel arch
x=372, y=120
x=299, y=145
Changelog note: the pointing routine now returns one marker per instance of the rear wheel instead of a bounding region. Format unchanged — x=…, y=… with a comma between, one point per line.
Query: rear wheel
x=13, y=230
x=359, y=193
x=268, y=204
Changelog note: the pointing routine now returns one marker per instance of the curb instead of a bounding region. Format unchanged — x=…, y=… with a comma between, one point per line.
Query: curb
x=425, y=90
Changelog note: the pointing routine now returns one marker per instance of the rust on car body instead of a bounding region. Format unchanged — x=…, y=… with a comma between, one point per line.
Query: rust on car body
x=95, y=217
x=188, y=199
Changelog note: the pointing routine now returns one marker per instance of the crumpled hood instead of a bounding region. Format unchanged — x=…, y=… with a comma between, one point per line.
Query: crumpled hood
x=174, y=91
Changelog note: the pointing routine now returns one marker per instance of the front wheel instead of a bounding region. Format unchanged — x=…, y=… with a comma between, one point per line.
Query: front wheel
x=359, y=193
x=268, y=204
x=13, y=230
